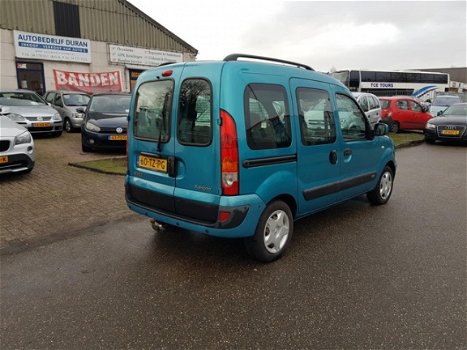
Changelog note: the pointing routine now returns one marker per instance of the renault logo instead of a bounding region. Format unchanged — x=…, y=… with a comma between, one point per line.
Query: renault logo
x=119, y=130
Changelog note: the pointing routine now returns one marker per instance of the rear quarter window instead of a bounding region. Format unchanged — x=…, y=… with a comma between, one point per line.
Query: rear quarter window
x=385, y=104
x=267, y=117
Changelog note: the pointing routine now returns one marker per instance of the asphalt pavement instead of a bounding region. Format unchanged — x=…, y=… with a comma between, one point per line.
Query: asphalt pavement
x=356, y=276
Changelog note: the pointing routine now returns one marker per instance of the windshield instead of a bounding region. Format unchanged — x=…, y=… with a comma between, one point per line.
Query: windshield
x=446, y=101
x=76, y=99
x=457, y=110
x=21, y=99
x=110, y=104
x=343, y=77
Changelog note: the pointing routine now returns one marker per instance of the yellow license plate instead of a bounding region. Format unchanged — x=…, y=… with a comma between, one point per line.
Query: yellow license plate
x=450, y=132
x=3, y=159
x=152, y=163
x=118, y=137
x=41, y=125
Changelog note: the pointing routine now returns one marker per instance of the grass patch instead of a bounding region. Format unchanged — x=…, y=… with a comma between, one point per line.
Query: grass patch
x=405, y=137
x=118, y=166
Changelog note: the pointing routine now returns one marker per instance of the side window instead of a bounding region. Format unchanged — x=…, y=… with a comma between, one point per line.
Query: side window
x=50, y=97
x=267, y=117
x=363, y=102
x=194, y=113
x=352, y=120
x=58, y=100
x=153, y=109
x=415, y=106
x=402, y=104
x=374, y=102
x=316, y=120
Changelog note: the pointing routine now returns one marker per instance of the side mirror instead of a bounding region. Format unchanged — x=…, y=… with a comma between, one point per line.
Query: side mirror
x=5, y=110
x=425, y=109
x=381, y=129
x=80, y=110
x=439, y=113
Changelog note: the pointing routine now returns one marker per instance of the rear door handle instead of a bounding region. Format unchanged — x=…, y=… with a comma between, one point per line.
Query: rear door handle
x=347, y=152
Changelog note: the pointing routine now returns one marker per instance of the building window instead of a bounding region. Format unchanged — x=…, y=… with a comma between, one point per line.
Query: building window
x=66, y=19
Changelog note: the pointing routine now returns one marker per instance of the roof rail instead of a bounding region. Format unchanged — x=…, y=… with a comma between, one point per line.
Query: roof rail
x=235, y=56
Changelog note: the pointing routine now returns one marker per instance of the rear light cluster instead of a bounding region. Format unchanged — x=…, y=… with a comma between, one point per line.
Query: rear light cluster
x=229, y=155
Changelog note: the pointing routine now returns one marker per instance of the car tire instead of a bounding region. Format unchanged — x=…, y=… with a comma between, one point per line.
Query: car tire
x=395, y=127
x=383, y=189
x=273, y=233
x=85, y=148
x=57, y=133
x=67, y=126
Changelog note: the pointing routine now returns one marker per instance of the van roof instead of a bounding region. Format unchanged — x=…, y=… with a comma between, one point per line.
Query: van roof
x=282, y=67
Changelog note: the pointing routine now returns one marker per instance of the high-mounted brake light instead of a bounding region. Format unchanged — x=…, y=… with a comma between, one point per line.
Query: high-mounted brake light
x=229, y=155
x=167, y=73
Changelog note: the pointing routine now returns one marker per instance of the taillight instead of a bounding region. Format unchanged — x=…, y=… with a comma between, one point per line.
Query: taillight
x=229, y=155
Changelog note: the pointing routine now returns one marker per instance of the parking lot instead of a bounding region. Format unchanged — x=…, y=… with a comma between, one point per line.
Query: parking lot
x=56, y=199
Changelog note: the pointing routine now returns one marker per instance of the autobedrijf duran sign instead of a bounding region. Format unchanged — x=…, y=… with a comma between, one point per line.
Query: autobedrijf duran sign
x=52, y=47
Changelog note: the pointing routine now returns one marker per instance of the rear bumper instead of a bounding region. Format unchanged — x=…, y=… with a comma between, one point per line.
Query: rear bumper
x=240, y=213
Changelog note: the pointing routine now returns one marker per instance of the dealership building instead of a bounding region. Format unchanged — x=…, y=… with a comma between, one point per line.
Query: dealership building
x=84, y=45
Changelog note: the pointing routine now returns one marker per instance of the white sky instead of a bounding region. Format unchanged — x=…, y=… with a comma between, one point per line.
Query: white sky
x=322, y=34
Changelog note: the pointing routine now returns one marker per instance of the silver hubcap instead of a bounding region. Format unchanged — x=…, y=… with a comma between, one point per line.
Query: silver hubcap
x=276, y=231
x=67, y=125
x=385, y=186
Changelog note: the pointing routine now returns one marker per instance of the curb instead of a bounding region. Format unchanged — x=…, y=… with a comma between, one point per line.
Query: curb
x=409, y=144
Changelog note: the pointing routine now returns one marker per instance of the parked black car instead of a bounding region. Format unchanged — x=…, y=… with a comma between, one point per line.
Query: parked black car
x=105, y=122
x=451, y=125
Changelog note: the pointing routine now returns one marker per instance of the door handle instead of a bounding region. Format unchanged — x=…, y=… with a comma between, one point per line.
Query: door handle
x=333, y=157
x=347, y=152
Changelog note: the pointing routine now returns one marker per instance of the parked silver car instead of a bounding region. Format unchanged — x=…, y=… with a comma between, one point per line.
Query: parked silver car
x=30, y=110
x=370, y=105
x=66, y=103
x=16, y=147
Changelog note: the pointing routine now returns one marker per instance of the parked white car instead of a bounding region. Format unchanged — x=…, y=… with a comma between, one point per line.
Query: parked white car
x=17, y=152
x=31, y=111
x=370, y=105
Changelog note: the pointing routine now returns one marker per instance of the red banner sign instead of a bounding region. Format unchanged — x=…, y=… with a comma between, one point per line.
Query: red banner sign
x=88, y=82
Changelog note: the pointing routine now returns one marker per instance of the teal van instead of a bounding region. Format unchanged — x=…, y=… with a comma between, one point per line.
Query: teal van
x=246, y=146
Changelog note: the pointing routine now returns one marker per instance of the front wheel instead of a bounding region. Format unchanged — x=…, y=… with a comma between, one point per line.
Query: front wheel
x=273, y=233
x=67, y=125
x=383, y=190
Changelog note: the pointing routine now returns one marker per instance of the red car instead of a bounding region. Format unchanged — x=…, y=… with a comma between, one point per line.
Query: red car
x=403, y=112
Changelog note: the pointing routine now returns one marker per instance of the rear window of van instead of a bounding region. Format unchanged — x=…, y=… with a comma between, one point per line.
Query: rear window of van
x=153, y=107
x=267, y=116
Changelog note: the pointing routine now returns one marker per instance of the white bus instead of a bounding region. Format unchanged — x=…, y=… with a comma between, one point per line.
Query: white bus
x=423, y=85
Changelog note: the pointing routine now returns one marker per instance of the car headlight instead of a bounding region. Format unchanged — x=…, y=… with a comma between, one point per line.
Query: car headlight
x=56, y=117
x=92, y=127
x=430, y=126
x=16, y=117
x=25, y=137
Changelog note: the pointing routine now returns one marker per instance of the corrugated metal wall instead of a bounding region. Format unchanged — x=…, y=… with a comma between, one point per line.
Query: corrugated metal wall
x=112, y=21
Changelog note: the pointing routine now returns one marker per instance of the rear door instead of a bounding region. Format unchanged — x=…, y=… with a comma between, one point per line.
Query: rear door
x=317, y=149
x=153, y=143
x=197, y=181
x=402, y=114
